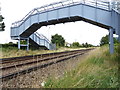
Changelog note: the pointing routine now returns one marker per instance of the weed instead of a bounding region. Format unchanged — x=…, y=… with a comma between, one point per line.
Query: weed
x=98, y=70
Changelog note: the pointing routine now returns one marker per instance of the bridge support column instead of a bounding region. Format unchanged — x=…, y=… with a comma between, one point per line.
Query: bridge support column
x=111, y=42
x=27, y=44
x=19, y=43
x=23, y=45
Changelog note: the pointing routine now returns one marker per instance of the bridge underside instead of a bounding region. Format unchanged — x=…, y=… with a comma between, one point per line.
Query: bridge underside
x=36, y=26
x=104, y=17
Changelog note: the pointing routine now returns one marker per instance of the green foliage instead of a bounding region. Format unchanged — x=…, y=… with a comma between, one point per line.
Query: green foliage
x=75, y=45
x=11, y=50
x=1, y=18
x=86, y=45
x=99, y=70
x=96, y=60
x=10, y=44
x=105, y=40
x=58, y=40
x=116, y=40
x=23, y=42
x=2, y=24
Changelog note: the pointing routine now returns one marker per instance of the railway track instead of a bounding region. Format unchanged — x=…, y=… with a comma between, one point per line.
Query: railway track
x=12, y=67
x=24, y=58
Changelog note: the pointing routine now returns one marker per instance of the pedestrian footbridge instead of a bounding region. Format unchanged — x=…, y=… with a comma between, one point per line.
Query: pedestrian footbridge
x=101, y=13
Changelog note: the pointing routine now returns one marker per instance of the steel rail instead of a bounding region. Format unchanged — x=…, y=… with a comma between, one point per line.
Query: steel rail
x=18, y=67
x=15, y=74
x=36, y=61
x=15, y=59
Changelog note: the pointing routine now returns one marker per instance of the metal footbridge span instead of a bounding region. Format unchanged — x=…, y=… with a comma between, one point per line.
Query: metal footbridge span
x=101, y=13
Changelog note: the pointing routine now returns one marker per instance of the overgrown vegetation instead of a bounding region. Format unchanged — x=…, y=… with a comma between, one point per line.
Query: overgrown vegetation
x=105, y=40
x=83, y=45
x=98, y=70
x=11, y=50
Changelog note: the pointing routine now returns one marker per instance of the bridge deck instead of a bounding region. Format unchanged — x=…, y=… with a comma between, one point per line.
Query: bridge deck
x=95, y=12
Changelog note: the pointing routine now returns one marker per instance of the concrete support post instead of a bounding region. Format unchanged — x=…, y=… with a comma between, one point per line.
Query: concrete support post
x=111, y=42
x=27, y=44
x=19, y=43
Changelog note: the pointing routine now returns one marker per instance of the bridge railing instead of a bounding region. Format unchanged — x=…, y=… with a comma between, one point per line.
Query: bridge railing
x=116, y=6
x=42, y=37
x=65, y=3
x=41, y=40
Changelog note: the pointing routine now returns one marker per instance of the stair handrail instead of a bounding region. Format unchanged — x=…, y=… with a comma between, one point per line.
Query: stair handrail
x=116, y=6
x=42, y=36
x=63, y=3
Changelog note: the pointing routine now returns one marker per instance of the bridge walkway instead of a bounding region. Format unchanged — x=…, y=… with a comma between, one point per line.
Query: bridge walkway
x=101, y=13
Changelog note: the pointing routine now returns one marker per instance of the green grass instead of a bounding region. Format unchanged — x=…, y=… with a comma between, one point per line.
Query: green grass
x=98, y=70
x=6, y=52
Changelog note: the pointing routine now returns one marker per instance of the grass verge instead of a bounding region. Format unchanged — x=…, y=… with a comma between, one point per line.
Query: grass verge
x=7, y=52
x=98, y=70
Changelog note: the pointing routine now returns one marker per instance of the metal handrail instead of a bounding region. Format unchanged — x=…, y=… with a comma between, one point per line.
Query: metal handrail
x=65, y=3
x=41, y=36
x=116, y=6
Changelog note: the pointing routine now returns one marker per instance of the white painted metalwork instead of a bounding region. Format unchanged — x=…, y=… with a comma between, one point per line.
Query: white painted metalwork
x=98, y=12
x=65, y=3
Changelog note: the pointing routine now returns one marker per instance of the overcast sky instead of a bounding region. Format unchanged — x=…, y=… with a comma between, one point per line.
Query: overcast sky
x=14, y=10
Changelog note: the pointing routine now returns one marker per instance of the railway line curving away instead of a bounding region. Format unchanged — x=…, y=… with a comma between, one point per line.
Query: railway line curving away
x=13, y=67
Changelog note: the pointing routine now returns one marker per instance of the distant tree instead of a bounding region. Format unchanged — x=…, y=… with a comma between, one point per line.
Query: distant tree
x=58, y=40
x=105, y=40
x=90, y=45
x=75, y=44
x=2, y=24
x=10, y=43
x=86, y=45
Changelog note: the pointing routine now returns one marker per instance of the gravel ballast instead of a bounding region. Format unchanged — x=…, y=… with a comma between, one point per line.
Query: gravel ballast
x=35, y=79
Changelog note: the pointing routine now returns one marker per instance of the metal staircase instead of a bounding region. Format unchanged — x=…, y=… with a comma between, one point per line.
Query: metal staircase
x=42, y=41
x=98, y=12
x=37, y=40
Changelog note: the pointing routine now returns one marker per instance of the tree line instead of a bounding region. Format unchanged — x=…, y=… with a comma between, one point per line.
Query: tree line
x=60, y=42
